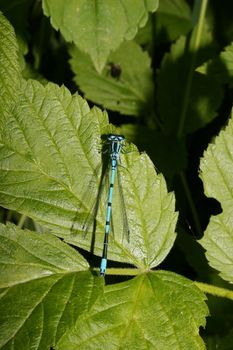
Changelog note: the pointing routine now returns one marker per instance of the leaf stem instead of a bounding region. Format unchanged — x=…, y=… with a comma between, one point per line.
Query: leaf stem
x=191, y=204
x=198, y=19
x=121, y=271
x=217, y=291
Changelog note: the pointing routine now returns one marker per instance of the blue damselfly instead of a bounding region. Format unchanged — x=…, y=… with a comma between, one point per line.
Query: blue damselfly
x=99, y=200
x=114, y=143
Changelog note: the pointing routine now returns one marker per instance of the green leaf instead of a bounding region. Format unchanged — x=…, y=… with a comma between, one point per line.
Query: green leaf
x=47, y=299
x=39, y=163
x=129, y=93
x=216, y=174
x=44, y=289
x=187, y=100
x=221, y=67
x=27, y=256
x=98, y=27
x=9, y=67
x=50, y=172
x=173, y=18
x=158, y=310
x=150, y=212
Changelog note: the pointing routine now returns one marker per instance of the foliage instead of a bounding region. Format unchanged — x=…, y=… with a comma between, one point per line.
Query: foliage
x=164, y=74
x=216, y=173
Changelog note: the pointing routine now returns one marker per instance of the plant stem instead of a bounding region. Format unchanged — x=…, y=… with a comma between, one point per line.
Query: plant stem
x=198, y=19
x=191, y=204
x=217, y=291
x=9, y=215
x=22, y=221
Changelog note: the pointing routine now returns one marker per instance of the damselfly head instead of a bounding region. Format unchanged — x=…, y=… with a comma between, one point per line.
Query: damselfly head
x=115, y=137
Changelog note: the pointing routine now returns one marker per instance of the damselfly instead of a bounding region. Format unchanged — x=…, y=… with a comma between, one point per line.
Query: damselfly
x=114, y=143
x=100, y=212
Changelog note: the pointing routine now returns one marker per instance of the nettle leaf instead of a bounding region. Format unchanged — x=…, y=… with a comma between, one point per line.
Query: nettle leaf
x=42, y=166
x=221, y=67
x=51, y=173
x=98, y=27
x=49, y=300
x=44, y=288
x=181, y=113
x=124, y=85
x=9, y=67
x=173, y=18
x=158, y=310
x=216, y=174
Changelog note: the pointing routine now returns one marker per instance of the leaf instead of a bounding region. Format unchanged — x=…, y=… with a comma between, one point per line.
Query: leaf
x=221, y=67
x=173, y=18
x=98, y=27
x=216, y=173
x=48, y=170
x=182, y=110
x=27, y=256
x=9, y=67
x=129, y=93
x=39, y=163
x=44, y=288
x=158, y=310
x=47, y=299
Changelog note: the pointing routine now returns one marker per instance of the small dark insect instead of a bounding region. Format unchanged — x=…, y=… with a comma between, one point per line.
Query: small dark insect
x=115, y=70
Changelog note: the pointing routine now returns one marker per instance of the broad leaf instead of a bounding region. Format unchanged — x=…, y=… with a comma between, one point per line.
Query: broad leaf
x=158, y=310
x=43, y=289
x=51, y=173
x=98, y=27
x=221, y=67
x=150, y=212
x=27, y=256
x=47, y=299
x=9, y=67
x=42, y=164
x=187, y=99
x=129, y=92
x=216, y=174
